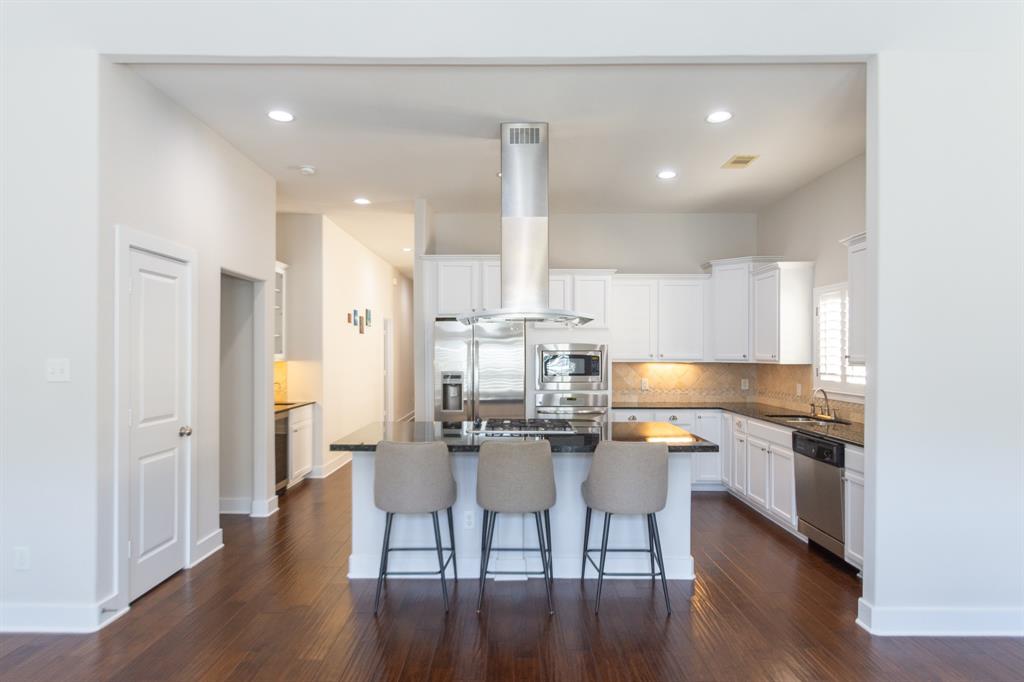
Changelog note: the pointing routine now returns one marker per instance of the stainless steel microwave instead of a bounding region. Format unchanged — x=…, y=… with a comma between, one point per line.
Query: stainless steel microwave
x=572, y=367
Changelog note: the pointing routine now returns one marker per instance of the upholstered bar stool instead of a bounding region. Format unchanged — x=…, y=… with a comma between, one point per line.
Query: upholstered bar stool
x=414, y=478
x=515, y=477
x=627, y=478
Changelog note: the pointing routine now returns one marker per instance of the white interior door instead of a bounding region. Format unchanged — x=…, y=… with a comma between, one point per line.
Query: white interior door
x=160, y=399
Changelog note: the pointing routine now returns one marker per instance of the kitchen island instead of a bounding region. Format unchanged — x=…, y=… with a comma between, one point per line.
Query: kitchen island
x=572, y=462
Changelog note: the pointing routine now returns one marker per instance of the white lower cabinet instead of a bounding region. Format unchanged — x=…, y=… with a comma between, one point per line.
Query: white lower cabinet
x=757, y=471
x=853, y=516
x=738, y=484
x=708, y=465
x=782, y=499
x=300, y=443
x=634, y=416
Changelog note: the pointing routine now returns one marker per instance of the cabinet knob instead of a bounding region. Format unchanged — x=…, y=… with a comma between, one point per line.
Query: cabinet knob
x=673, y=418
x=744, y=356
x=632, y=417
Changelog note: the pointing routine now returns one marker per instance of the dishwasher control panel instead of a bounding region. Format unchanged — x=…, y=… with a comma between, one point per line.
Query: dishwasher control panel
x=819, y=448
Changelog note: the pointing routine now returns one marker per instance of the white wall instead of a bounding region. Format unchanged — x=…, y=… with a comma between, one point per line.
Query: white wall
x=300, y=246
x=403, y=398
x=808, y=223
x=630, y=242
x=943, y=178
x=236, y=394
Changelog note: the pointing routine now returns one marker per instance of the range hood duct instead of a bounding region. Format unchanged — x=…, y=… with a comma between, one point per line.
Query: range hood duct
x=524, y=231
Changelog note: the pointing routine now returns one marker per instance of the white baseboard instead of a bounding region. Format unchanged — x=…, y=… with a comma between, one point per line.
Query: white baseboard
x=709, y=487
x=56, y=618
x=327, y=468
x=212, y=543
x=261, y=509
x=235, y=505
x=940, y=621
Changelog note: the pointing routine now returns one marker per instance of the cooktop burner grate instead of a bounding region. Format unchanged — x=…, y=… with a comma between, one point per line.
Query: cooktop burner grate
x=517, y=426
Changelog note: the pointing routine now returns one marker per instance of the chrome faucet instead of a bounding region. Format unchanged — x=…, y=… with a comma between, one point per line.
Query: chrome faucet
x=828, y=412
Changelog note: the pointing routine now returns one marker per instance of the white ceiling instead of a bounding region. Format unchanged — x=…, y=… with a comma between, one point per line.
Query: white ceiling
x=395, y=133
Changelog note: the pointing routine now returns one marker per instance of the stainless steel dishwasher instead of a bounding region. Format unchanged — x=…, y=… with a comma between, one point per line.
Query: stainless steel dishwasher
x=819, y=464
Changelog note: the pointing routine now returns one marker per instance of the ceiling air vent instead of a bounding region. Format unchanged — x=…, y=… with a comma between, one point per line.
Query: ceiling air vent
x=740, y=161
x=524, y=135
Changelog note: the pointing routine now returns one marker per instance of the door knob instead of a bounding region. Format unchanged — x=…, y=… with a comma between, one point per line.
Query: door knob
x=185, y=431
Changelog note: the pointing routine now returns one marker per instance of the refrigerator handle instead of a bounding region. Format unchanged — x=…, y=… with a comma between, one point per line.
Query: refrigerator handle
x=474, y=363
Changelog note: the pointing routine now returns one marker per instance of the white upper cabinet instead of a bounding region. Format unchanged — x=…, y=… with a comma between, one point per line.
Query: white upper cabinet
x=681, y=319
x=731, y=313
x=590, y=298
x=491, y=285
x=458, y=286
x=634, y=312
x=280, y=311
x=766, y=316
x=784, y=312
x=857, y=274
x=559, y=297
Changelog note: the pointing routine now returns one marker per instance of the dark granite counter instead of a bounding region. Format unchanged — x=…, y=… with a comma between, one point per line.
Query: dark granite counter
x=284, y=407
x=847, y=433
x=677, y=439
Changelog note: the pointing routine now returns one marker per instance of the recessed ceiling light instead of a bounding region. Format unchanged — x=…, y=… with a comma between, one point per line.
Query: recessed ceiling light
x=407, y=249
x=307, y=170
x=718, y=116
x=280, y=116
x=362, y=201
x=666, y=174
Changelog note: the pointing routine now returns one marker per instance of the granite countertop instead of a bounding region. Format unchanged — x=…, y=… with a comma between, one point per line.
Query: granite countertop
x=852, y=433
x=460, y=440
x=284, y=407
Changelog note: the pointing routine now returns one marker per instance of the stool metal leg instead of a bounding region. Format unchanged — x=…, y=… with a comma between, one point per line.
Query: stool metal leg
x=586, y=544
x=604, y=553
x=383, y=560
x=661, y=562
x=440, y=560
x=547, y=531
x=650, y=546
x=486, y=559
x=544, y=560
x=451, y=535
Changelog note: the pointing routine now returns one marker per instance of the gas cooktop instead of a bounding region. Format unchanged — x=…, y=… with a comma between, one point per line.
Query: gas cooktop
x=518, y=427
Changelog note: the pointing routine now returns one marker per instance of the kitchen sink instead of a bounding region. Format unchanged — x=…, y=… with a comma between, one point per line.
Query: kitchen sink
x=805, y=419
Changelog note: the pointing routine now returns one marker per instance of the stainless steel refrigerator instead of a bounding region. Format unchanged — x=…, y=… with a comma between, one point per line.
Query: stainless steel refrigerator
x=479, y=370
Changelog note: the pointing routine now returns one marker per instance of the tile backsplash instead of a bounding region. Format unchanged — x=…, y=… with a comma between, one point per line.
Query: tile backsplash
x=280, y=382
x=722, y=382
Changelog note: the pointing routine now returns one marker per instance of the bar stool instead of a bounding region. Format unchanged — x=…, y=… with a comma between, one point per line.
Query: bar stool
x=414, y=478
x=515, y=478
x=627, y=478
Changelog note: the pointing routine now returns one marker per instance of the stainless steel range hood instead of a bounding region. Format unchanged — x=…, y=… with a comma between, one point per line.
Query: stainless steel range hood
x=524, y=230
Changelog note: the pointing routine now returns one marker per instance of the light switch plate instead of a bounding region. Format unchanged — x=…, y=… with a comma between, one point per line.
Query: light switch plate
x=799, y=390
x=744, y=384
x=645, y=385
x=58, y=369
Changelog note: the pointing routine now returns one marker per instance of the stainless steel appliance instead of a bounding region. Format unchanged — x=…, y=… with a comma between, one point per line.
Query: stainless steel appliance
x=280, y=452
x=479, y=370
x=580, y=409
x=819, y=466
x=572, y=367
x=523, y=427
x=524, y=230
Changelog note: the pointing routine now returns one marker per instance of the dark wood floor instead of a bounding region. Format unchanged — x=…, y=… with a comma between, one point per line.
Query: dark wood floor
x=274, y=604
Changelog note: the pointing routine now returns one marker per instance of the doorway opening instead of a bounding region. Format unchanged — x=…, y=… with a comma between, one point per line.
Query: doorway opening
x=237, y=393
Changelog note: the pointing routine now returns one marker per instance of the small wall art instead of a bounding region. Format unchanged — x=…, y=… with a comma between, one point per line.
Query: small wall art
x=349, y=320
x=362, y=328
x=354, y=317
x=368, y=318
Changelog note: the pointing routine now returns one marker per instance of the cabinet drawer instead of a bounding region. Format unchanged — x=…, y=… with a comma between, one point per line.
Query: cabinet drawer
x=633, y=415
x=770, y=433
x=683, y=418
x=855, y=459
x=300, y=414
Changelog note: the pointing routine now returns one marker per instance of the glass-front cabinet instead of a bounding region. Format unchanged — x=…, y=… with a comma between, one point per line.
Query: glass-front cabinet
x=280, y=283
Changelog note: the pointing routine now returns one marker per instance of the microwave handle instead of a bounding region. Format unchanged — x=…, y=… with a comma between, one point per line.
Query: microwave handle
x=567, y=410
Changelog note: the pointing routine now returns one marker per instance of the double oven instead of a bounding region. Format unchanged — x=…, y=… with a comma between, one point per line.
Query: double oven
x=572, y=383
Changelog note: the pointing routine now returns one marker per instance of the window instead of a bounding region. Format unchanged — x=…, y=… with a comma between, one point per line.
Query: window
x=832, y=372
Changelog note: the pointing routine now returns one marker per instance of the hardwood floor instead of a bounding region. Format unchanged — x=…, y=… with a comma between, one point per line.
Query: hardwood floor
x=275, y=604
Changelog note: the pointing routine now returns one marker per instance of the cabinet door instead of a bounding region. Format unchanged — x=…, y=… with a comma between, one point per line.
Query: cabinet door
x=731, y=284
x=766, y=316
x=680, y=320
x=708, y=425
x=782, y=502
x=739, y=464
x=300, y=450
x=634, y=319
x=853, y=517
x=457, y=286
x=857, y=284
x=757, y=471
x=559, y=297
x=590, y=297
x=491, y=285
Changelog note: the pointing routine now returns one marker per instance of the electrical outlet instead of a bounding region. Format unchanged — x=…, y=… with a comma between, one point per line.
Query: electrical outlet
x=58, y=369
x=470, y=520
x=744, y=384
x=645, y=385
x=22, y=559
x=799, y=390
